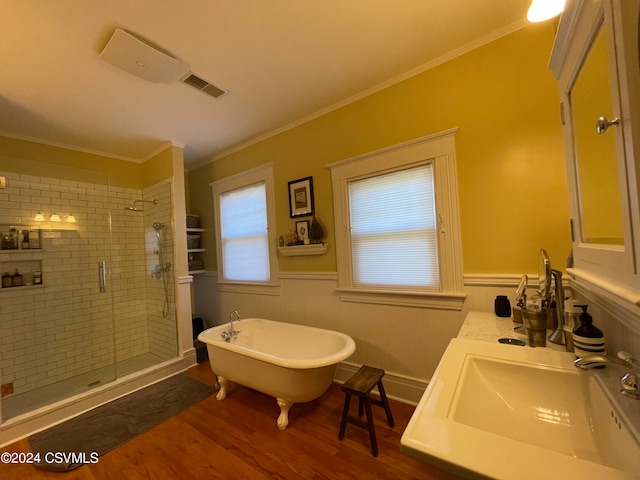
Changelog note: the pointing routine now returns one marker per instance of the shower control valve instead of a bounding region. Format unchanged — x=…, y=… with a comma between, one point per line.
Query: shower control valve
x=156, y=272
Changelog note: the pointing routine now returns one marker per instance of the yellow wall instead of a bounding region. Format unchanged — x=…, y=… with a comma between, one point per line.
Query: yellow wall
x=45, y=160
x=510, y=156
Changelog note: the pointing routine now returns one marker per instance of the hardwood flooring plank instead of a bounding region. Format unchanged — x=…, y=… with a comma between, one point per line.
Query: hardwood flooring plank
x=237, y=438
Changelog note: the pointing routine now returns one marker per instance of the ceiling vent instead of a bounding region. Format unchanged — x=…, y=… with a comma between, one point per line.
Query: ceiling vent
x=204, y=86
x=142, y=59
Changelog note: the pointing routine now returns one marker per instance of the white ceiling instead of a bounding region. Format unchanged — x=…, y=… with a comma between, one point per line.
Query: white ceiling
x=281, y=60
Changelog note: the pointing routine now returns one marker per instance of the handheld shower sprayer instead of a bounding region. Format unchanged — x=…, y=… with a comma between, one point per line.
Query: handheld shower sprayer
x=157, y=227
x=161, y=269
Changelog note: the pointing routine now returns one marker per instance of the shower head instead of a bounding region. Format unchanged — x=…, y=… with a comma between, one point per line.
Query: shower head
x=158, y=226
x=136, y=208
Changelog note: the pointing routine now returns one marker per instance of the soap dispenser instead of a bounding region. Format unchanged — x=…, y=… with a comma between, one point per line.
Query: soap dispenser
x=587, y=339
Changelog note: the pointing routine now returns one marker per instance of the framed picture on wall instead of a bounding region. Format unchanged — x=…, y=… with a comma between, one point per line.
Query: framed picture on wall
x=301, y=197
x=302, y=229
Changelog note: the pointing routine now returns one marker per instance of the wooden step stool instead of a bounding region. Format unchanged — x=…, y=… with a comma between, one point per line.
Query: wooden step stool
x=361, y=385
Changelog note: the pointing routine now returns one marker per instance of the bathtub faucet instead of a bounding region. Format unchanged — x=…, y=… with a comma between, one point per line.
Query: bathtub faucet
x=231, y=333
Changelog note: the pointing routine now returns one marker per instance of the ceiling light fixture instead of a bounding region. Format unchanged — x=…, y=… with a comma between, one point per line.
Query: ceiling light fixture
x=541, y=10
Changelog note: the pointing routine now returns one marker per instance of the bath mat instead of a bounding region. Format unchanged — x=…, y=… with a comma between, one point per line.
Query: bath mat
x=82, y=439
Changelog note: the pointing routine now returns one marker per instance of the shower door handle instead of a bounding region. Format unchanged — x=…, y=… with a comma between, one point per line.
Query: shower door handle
x=102, y=277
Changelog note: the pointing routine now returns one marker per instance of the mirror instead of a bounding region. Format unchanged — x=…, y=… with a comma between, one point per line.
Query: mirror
x=595, y=155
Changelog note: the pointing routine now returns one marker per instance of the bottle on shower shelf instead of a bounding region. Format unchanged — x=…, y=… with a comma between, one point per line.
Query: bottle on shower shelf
x=16, y=279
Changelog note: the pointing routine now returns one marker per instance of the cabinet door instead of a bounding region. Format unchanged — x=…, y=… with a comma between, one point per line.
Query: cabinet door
x=592, y=63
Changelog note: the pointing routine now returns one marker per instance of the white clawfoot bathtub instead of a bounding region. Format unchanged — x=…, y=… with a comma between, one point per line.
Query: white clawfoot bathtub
x=292, y=363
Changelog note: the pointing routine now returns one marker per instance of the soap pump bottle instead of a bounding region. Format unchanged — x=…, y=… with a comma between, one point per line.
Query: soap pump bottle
x=587, y=339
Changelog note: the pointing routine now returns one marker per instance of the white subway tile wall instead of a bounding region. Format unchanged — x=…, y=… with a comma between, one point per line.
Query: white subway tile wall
x=67, y=327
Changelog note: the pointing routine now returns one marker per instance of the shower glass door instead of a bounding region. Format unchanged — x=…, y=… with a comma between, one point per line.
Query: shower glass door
x=104, y=305
x=57, y=324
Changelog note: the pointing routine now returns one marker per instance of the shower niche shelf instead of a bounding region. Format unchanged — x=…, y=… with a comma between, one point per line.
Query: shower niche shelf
x=24, y=287
x=25, y=264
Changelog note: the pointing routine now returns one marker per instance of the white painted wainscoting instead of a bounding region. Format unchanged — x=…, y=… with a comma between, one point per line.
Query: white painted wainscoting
x=407, y=342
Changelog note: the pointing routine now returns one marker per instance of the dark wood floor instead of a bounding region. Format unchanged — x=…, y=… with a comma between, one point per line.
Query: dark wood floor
x=238, y=439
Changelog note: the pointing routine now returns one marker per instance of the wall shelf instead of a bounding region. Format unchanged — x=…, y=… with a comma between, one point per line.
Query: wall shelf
x=304, y=250
x=195, y=261
x=24, y=287
x=22, y=250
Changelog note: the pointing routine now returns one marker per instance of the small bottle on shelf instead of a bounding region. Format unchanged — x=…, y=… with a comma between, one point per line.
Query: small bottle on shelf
x=16, y=279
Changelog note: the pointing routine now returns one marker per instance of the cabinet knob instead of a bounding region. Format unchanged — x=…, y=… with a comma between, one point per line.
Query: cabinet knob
x=603, y=124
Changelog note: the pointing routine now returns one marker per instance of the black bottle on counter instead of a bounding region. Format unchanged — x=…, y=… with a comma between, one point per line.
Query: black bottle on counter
x=502, y=306
x=587, y=338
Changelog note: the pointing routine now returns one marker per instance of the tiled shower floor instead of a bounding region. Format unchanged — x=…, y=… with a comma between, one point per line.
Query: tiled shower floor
x=22, y=403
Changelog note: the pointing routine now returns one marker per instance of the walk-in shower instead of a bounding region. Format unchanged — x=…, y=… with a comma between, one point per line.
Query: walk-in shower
x=98, y=315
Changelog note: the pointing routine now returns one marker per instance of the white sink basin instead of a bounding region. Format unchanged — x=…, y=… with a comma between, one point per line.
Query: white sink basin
x=517, y=412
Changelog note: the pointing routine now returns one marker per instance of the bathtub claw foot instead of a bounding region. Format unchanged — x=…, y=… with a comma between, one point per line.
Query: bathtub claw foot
x=222, y=393
x=283, y=419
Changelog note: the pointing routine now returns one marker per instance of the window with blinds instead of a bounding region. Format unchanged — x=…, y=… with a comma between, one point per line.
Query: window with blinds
x=244, y=234
x=395, y=244
x=393, y=230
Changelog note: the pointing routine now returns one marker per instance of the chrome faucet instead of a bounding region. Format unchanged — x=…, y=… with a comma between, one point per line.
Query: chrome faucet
x=231, y=333
x=629, y=382
x=562, y=334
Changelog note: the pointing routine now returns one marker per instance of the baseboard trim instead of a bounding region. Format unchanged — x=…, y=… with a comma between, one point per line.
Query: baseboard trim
x=398, y=387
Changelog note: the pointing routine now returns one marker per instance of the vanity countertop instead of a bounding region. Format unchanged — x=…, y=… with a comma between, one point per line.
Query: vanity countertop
x=487, y=327
x=486, y=412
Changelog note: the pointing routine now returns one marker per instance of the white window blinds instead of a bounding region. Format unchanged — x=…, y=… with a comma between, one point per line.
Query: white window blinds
x=393, y=230
x=244, y=233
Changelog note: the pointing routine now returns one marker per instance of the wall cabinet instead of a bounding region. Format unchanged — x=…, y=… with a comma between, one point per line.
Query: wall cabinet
x=595, y=60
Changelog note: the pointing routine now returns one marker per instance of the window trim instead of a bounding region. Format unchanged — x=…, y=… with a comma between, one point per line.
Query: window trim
x=262, y=173
x=439, y=149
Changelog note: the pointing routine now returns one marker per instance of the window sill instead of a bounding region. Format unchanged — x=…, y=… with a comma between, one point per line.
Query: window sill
x=250, y=288
x=438, y=301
